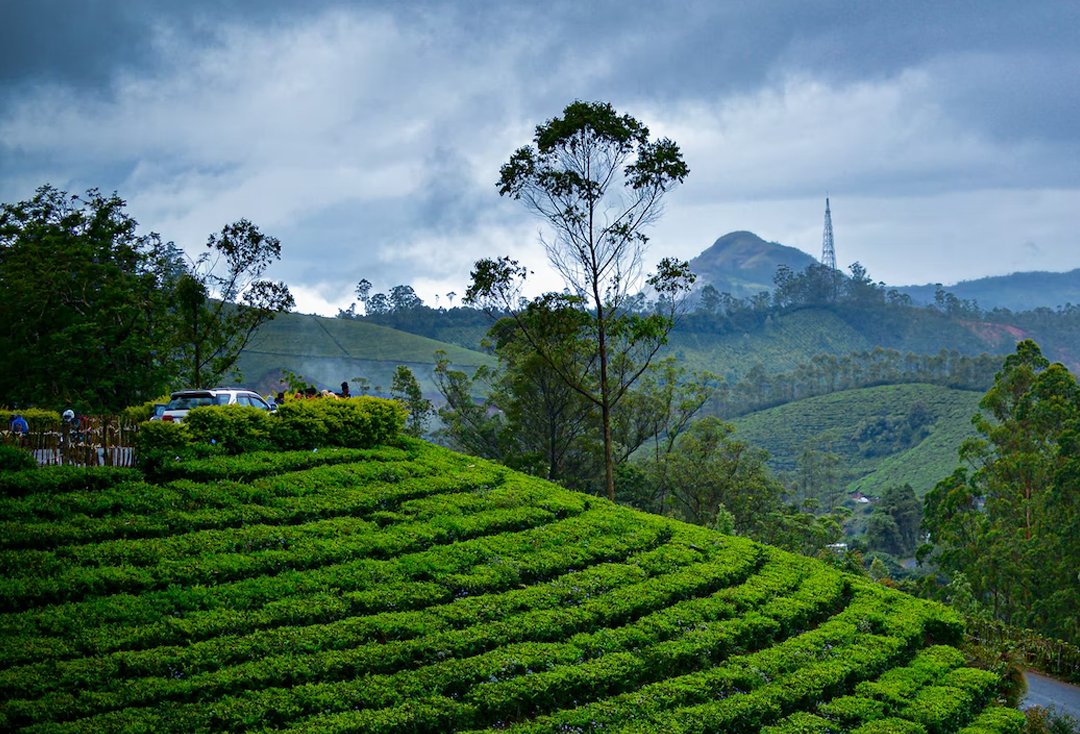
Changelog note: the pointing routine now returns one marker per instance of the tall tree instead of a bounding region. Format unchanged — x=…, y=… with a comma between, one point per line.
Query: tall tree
x=711, y=472
x=223, y=301
x=1009, y=519
x=85, y=303
x=893, y=525
x=406, y=389
x=597, y=179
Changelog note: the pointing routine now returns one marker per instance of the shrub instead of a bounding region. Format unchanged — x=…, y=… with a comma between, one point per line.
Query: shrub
x=141, y=413
x=235, y=428
x=162, y=437
x=360, y=422
x=13, y=458
x=37, y=419
x=59, y=479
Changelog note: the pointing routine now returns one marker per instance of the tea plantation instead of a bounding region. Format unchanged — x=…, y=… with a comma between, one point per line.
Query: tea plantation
x=410, y=589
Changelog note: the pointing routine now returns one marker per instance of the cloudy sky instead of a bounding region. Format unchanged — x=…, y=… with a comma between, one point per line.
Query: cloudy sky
x=368, y=136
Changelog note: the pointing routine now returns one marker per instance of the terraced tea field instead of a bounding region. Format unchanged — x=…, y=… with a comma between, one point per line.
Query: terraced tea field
x=411, y=589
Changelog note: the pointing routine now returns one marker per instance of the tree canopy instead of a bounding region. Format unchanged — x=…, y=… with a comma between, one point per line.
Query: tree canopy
x=85, y=306
x=99, y=316
x=1010, y=518
x=223, y=299
x=597, y=179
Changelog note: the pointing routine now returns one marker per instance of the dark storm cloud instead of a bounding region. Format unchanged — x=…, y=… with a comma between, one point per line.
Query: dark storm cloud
x=368, y=135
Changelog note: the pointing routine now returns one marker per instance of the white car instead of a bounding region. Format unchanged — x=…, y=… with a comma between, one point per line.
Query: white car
x=182, y=401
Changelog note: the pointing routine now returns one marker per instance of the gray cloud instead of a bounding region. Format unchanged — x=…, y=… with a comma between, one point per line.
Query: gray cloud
x=368, y=135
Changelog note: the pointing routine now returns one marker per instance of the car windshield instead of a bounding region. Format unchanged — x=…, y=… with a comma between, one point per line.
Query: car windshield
x=187, y=402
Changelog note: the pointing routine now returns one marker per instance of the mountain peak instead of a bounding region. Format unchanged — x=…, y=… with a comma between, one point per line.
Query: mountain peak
x=742, y=263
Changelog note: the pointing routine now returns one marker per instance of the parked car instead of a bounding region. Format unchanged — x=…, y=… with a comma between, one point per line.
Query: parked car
x=182, y=401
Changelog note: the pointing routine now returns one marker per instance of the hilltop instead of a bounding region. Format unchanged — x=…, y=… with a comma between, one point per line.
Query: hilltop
x=406, y=588
x=743, y=264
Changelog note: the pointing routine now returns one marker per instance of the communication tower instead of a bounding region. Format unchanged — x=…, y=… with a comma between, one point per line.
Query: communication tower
x=828, y=252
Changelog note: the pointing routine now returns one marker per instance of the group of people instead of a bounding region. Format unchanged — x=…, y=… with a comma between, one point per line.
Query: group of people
x=313, y=392
x=19, y=427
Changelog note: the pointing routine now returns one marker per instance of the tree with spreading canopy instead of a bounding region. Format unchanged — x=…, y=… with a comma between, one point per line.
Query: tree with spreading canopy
x=597, y=179
x=86, y=304
x=222, y=301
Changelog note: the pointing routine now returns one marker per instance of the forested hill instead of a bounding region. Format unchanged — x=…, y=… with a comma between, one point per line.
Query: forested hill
x=742, y=264
x=880, y=436
x=1016, y=292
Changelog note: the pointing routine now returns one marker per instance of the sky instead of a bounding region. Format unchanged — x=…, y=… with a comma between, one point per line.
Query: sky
x=368, y=136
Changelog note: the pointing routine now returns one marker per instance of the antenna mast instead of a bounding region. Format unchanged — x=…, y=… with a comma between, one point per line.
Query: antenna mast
x=828, y=252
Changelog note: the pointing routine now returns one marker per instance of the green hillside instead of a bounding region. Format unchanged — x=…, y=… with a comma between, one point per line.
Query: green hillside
x=329, y=351
x=411, y=589
x=866, y=428
x=785, y=341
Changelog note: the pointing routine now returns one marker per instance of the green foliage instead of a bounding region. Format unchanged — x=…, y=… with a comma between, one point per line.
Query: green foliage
x=709, y=473
x=234, y=428
x=221, y=302
x=406, y=390
x=597, y=179
x=894, y=524
x=162, y=438
x=13, y=458
x=86, y=305
x=143, y=412
x=359, y=422
x=1017, y=506
x=829, y=422
x=58, y=480
x=408, y=588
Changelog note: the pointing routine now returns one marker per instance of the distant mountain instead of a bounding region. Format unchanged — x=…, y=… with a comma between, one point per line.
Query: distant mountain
x=742, y=264
x=1016, y=292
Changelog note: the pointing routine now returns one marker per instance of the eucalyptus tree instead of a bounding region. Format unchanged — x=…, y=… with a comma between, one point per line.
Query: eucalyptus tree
x=1010, y=519
x=597, y=179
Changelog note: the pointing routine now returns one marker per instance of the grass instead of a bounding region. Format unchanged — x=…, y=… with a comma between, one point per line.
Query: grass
x=411, y=589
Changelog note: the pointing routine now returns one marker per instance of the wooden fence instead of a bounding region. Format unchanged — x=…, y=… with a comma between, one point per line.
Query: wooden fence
x=92, y=441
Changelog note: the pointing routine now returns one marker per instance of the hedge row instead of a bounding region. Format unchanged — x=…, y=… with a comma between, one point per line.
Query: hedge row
x=360, y=422
x=689, y=703
x=602, y=535
x=407, y=589
x=387, y=629
x=658, y=640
